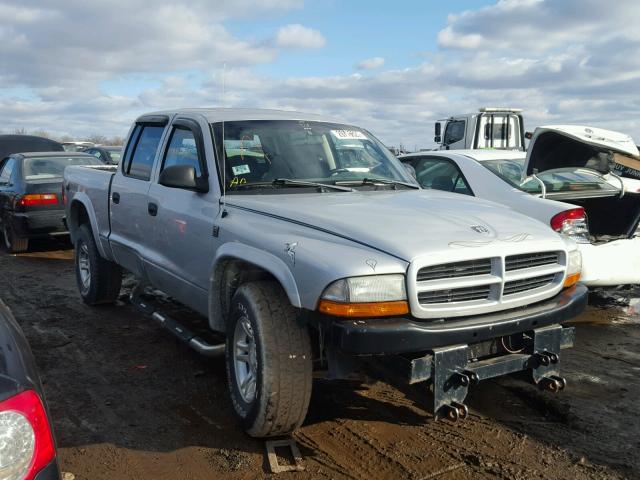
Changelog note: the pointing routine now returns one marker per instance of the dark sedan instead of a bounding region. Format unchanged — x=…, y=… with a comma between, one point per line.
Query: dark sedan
x=31, y=203
x=108, y=155
x=27, y=446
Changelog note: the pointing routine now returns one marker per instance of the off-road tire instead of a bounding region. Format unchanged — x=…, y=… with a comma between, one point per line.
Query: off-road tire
x=105, y=276
x=284, y=362
x=12, y=242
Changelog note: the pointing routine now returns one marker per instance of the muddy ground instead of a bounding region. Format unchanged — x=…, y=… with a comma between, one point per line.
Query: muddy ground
x=130, y=402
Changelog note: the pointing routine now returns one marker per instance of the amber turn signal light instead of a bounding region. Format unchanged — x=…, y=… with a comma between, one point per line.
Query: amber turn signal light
x=360, y=310
x=571, y=280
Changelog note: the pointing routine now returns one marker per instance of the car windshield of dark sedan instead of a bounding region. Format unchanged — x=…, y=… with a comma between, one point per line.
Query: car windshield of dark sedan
x=270, y=153
x=39, y=168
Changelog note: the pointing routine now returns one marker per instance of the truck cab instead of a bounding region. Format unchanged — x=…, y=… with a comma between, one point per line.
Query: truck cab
x=491, y=127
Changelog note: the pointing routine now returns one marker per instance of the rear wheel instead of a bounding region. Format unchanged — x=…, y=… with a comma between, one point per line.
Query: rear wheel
x=269, y=362
x=12, y=242
x=99, y=280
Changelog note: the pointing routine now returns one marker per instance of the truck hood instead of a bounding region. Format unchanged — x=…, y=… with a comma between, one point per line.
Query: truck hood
x=561, y=146
x=405, y=224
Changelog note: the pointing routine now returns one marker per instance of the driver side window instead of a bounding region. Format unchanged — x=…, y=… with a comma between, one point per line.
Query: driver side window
x=454, y=131
x=182, y=150
x=441, y=174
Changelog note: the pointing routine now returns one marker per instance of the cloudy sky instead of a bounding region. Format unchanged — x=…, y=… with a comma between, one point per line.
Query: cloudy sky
x=83, y=67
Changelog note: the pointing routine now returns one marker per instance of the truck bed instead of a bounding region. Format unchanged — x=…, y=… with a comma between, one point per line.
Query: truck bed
x=91, y=186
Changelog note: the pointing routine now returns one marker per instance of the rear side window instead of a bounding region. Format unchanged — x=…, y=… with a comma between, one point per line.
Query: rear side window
x=182, y=150
x=441, y=174
x=144, y=152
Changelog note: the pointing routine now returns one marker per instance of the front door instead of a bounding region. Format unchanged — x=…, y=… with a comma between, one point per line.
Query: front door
x=182, y=244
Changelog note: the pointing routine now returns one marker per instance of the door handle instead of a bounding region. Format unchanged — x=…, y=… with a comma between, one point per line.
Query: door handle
x=152, y=208
x=115, y=196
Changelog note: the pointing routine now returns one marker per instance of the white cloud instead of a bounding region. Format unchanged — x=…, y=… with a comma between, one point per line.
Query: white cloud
x=574, y=61
x=299, y=36
x=370, y=63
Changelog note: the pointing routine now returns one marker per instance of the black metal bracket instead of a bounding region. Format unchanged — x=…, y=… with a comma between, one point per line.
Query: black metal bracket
x=452, y=371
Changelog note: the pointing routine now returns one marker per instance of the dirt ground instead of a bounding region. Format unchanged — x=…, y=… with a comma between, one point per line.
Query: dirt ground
x=129, y=402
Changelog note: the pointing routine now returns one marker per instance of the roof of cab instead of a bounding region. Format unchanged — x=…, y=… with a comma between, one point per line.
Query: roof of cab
x=477, y=154
x=214, y=115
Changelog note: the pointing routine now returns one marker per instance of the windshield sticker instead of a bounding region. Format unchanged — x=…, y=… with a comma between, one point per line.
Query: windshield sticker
x=237, y=181
x=241, y=169
x=348, y=134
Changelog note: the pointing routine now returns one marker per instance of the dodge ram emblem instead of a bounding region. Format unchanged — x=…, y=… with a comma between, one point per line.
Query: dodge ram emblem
x=480, y=229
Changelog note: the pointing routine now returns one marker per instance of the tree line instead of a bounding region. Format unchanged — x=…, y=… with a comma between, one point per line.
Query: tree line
x=96, y=138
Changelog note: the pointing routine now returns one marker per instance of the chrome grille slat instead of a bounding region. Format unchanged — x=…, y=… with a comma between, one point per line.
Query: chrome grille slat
x=466, y=294
x=528, y=260
x=455, y=270
x=518, y=286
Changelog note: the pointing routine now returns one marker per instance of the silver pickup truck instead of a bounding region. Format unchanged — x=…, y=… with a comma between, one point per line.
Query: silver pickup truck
x=310, y=247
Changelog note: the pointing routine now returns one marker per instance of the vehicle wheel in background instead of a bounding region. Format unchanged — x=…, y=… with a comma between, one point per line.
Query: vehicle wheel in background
x=12, y=242
x=99, y=280
x=269, y=362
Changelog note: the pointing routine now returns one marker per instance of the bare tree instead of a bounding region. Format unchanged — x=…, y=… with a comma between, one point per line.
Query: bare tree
x=42, y=133
x=20, y=131
x=96, y=138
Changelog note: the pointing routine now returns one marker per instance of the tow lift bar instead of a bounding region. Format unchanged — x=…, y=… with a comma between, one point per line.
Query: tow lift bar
x=452, y=370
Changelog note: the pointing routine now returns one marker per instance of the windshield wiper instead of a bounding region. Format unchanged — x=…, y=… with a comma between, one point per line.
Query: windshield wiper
x=290, y=182
x=374, y=181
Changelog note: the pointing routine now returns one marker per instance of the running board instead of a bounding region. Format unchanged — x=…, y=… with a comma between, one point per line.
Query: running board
x=182, y=333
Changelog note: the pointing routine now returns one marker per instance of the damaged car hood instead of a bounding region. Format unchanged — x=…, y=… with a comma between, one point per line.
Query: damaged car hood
x=405, y=224
x=563, y=146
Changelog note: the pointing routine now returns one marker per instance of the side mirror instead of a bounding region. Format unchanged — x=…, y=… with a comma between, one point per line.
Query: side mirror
x=182, y=176
x=437, y=139
x=528, y=135
x=438, y=129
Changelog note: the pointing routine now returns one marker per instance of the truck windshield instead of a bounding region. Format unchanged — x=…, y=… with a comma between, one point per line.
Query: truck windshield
x=259, y=152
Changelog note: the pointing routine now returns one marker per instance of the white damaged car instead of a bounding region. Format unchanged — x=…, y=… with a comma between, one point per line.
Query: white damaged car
x=568, y=179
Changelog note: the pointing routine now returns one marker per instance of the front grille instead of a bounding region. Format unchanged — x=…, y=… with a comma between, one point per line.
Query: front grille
x=465, y=294
x=529, y=260
x=455, y=270
x=517, y=286
x=466, y=287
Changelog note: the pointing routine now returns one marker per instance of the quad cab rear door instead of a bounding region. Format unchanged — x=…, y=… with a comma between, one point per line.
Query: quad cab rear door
x=129, y=216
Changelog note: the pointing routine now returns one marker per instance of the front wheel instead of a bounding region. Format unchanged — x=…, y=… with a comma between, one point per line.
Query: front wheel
x=269, y=362
x=99, y=280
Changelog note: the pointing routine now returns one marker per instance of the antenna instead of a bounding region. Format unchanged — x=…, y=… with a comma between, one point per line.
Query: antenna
x=223, y=213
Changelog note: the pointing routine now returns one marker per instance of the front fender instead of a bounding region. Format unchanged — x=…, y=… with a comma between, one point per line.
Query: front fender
x=255, y=256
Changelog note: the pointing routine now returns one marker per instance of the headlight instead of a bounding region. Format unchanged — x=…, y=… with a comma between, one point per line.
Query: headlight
x=370, y=296
x=574, y=268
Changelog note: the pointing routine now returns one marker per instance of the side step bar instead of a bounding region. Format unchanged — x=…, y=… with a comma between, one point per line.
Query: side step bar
x=181, y=332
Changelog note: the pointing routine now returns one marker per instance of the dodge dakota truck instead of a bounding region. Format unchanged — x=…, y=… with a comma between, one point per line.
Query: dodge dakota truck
x=309, y=247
